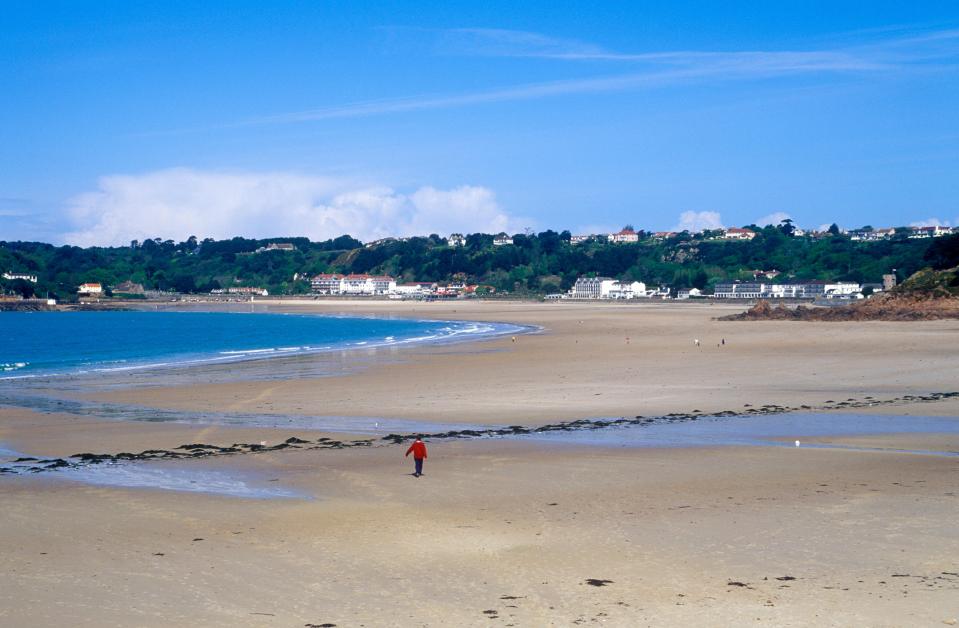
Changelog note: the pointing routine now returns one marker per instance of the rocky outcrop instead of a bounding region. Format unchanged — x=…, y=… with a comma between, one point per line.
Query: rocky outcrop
x=927, y=295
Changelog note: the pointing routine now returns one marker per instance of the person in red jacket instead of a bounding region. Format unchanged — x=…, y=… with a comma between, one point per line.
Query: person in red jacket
x=418, y=449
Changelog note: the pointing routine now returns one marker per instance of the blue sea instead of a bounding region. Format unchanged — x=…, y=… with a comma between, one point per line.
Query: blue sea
x=69, y=343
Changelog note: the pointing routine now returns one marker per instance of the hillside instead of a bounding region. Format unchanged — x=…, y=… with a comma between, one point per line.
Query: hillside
x=534, y=264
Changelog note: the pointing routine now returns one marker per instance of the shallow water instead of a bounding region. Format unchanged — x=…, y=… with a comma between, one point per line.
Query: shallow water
x=121, y=412
x=182, y=475
x=777, y=430
x=55, y=344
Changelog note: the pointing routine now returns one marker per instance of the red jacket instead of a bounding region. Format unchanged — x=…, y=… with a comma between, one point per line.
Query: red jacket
x=418, y=448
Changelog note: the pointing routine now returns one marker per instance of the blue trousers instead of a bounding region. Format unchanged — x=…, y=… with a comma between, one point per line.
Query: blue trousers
x=419, y=465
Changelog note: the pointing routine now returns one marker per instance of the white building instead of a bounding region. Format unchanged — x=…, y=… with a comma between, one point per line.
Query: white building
x=410, y=290
x=735, y=233
x=326, y=284
x=23, y=276
x=808, y=290
x=368, y=285
x=276, y=246
x=579, y=239
x=456, y=239
x=841, y=289
x=622, y=290
x=90, y=289
x=933, y=231
x=692, y=292
x=872, y=235
x=626, y=236
x=247, y=291
x=588, y=287
x=607, y=288
x=502, y=239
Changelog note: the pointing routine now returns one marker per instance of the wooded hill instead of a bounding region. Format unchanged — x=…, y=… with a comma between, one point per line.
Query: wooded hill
x=534, y=264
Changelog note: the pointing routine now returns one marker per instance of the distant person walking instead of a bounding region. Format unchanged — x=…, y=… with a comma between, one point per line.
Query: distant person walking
x=418, y=449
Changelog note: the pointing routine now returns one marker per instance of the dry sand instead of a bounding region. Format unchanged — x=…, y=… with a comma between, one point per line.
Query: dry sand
x=509, y=533
x=581, y=365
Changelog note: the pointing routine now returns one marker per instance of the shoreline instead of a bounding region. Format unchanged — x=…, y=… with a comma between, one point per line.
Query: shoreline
x=238, y=355
x=589, y=362
x=849, y=529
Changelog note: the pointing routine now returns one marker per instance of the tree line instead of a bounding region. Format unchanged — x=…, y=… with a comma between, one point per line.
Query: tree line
x=536, y=263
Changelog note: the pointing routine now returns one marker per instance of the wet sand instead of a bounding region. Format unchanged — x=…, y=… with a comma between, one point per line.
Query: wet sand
x=518, y=533
x=504, y=530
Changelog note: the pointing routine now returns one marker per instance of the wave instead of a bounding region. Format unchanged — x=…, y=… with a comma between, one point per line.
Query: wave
x=13, y=366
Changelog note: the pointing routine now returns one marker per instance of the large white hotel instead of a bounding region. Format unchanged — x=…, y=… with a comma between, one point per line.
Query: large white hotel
x=353, y=284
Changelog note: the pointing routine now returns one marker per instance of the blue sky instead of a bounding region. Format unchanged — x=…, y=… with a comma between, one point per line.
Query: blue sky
x=128, y=120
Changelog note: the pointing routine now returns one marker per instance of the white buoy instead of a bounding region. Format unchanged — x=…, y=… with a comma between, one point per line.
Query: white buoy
x=797, y=443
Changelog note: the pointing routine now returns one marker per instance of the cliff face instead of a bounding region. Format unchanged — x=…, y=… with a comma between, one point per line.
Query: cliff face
x=927, y=295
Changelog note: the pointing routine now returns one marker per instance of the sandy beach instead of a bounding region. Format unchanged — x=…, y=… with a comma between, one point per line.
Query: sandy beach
x=599, y=360
x=518, y=532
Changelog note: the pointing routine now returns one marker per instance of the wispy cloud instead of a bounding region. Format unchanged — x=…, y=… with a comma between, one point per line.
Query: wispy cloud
x=653, y=69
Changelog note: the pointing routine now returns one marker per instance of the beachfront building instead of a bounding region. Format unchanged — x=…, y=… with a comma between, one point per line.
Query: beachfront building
x=411, y=290
x=806, y=290
x=365, y=285
x=456, y=239
x=735, y=233
x=90, y=290
x=626, y=236
x=22, y=276
x=502, y=239
x=326, y=284
x=588, y=287
x=622, y=290
x=245, y=291
x=607, y=288
x=691, y=293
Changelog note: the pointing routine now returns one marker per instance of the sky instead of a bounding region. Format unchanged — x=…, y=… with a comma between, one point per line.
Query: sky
x=132, y=120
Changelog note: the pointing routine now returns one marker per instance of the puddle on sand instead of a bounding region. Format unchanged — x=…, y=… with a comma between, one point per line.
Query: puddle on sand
x=185, y=476
x=165, y=477
x=778, y=430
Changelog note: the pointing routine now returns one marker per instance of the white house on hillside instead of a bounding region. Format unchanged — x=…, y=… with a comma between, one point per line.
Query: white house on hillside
x=456, y=239
x=502, y=239
x=735, y=233
x=626, y=236
x=23, y=276
x=90, y=289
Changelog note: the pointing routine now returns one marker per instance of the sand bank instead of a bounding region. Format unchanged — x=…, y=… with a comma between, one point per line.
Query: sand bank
x=501, y=530
x=595, y=360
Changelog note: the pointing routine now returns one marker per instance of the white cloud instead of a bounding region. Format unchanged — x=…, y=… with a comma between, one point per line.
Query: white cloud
x=180, y=202
x=931, y=222
x=697, y=221
x=773, y=219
